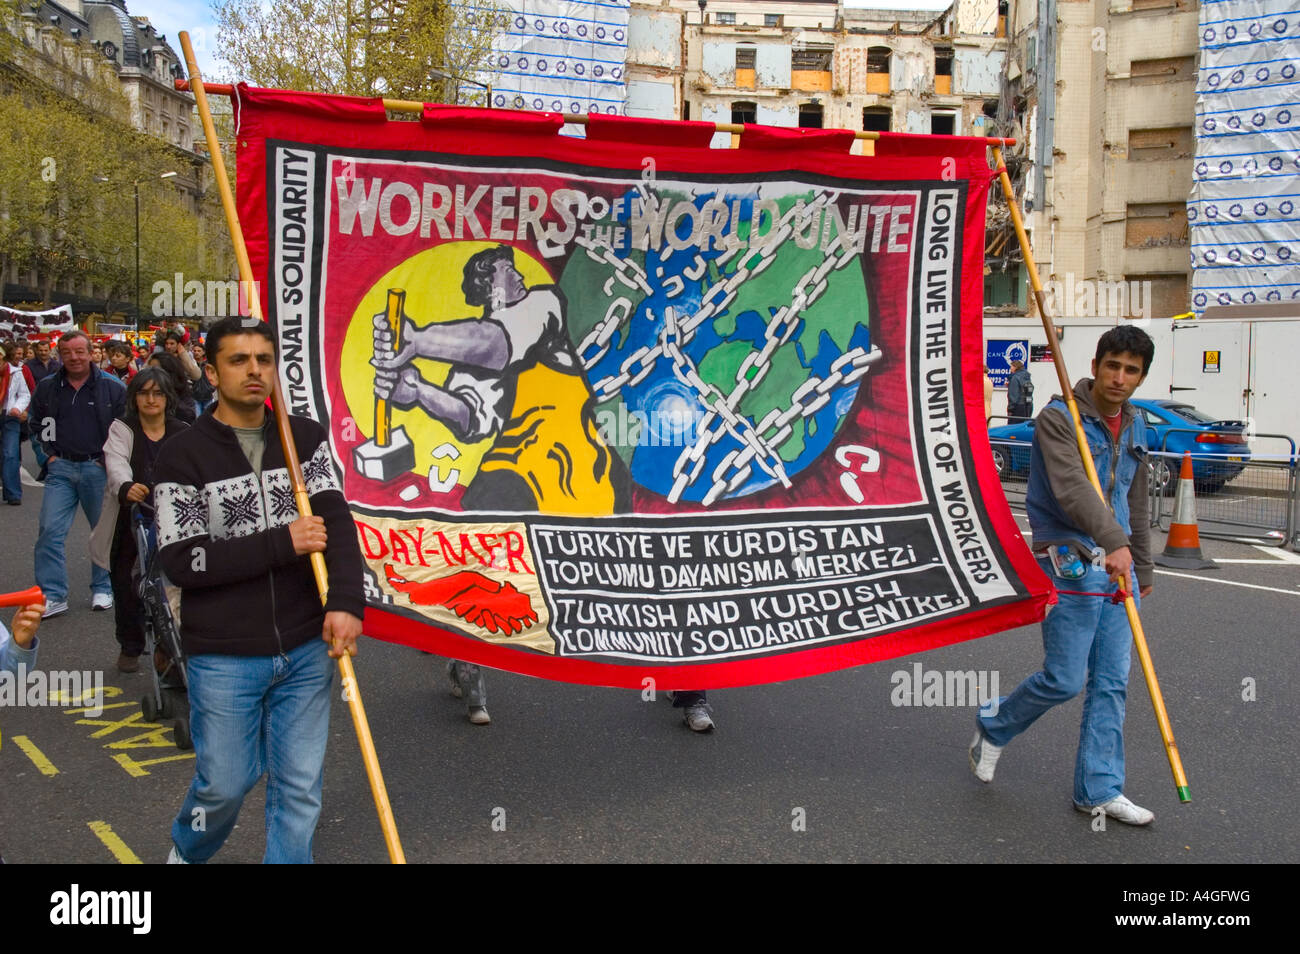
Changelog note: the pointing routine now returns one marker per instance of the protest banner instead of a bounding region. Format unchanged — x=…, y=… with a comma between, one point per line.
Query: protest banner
x=51, y=321
x=627, y=407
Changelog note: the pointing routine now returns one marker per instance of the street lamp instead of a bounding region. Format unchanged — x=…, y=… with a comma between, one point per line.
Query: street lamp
x=703, y=4
x=138, y=313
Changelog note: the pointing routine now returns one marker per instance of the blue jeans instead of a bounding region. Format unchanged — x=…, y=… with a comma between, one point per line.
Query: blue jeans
x=251, y=715
x=1086, y=644
x=67, y=485
x=12, y=444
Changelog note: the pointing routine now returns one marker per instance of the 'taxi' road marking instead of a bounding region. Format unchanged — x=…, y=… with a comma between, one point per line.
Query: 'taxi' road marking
x=136, y=767
x=36, y=755
x=104, y=832
x=153, y=735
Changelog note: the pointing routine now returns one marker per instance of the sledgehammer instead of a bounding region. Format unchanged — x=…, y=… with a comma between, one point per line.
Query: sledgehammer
x=390, y=453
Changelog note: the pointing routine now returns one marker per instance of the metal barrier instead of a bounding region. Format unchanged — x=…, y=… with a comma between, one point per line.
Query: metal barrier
x=1258, y=503
x=1252, y=500
x=1011, y=458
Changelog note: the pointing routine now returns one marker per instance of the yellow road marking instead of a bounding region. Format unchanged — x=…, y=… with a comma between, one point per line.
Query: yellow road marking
x=86, y=697
x=153, y=739
x=113, y=843
x=136, y=768
x=133, y=721
x=36, y=755
x=100, y=708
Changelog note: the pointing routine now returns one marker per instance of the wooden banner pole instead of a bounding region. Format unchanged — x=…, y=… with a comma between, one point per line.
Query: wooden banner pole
x=1130, y=607
x=351, y=692
x=580, y=119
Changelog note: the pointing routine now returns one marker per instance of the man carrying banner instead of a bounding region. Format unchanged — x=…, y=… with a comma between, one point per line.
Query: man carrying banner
x=252, y=623
x=1086, y=637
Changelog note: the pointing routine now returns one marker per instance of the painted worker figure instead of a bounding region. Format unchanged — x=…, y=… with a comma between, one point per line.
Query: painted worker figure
x=1086, y=637
x=514, y=378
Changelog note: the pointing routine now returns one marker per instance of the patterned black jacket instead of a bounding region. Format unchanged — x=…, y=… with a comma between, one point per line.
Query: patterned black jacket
x=224, y=539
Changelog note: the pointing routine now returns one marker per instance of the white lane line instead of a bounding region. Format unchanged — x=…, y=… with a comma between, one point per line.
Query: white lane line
x=1251, y=541
x=1282, y=556
x=1257, y=562
x=1210, y=579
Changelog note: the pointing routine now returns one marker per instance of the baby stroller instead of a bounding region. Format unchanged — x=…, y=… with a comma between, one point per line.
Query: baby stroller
x=168, y=698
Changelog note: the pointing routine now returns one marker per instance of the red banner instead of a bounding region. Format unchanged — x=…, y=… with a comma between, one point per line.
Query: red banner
x=628, y=407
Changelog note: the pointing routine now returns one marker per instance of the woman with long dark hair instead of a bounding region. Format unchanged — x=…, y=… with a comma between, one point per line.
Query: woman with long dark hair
x=180, y=380
x=129, y=455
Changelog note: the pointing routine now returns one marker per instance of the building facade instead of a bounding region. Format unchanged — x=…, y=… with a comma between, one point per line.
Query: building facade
x=99, y=40
x=147, y=68
x=817, y=64
x=119, y=71
x=1099, y=96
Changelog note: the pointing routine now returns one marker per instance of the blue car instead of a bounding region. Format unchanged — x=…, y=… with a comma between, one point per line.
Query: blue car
x=1219, y=448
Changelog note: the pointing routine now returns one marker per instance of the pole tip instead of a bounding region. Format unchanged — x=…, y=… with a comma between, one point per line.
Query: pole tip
x=1184, y=794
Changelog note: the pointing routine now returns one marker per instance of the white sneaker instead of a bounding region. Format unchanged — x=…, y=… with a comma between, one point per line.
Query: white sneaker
x=174, y=858
x=478, y=715
x=1122, y=810
x=54, y=609
x=983, y=757
x=101, y=601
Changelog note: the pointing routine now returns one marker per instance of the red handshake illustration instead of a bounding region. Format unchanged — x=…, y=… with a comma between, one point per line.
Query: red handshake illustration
x=475, y=598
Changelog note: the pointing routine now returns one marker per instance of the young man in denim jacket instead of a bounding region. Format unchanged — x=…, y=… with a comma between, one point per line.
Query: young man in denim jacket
x=1086, y=638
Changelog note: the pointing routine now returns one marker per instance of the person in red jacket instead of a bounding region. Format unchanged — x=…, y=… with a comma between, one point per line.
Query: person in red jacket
x=119, y=361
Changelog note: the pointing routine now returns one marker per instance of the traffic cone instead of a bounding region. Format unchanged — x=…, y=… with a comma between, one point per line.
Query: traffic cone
x=1183, y=546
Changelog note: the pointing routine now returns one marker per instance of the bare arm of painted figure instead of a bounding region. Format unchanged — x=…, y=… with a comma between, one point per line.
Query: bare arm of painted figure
x=469, y=341
x=405, y=388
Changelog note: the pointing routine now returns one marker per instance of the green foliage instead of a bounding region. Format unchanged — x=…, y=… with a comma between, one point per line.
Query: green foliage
x=69, y=164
